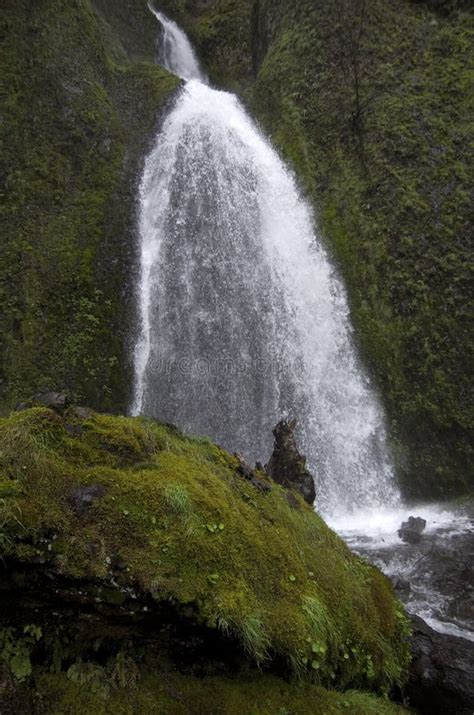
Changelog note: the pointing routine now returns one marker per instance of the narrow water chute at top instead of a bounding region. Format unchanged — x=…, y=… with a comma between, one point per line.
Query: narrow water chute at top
x=175, y=52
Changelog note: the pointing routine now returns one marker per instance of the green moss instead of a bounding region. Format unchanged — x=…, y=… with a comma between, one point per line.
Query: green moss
x=176, y=694
x=189, y=530
x=131, y=24
x=394, y=211
x=76, y=123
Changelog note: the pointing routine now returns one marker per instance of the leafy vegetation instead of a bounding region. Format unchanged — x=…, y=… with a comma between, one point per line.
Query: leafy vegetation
x=271, y=576
x=16, y=651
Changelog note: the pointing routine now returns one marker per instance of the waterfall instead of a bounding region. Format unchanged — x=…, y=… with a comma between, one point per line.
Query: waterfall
x=175, y=52
x=243, y=319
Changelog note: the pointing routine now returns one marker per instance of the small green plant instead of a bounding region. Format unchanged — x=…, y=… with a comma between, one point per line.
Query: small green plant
x=177, y=499
x=369, y=669
x=250, y=630
x=215, y=528
x=321, y=625
x=124, y=672
x=319, y=648
x=56, y=650
x=403, y=622
x=91, y=676
x=9, y=514
x=16, y=650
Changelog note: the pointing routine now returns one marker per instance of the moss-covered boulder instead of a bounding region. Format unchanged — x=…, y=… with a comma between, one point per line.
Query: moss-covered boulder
x=122, y=538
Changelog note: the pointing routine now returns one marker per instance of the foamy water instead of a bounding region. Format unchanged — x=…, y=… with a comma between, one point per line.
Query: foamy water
x=443, y=603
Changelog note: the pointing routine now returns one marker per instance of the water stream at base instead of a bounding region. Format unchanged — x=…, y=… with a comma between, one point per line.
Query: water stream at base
x=435, y=578
x=244, y=321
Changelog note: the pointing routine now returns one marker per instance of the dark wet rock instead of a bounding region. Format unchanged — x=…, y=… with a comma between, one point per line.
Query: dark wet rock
x=452, y=566
x=22, y=406
x=287, y=466
x=402, y=586
x=258, y=480
x=81, y=499
x=441, y=673
x=88, y=612
x=57, y=401
x=293, y=501
x=438, y=571
x=79, y=413
x=74, y=430
x=462, y=608
x=444, y=7
x=411, y=530
x=117, y=563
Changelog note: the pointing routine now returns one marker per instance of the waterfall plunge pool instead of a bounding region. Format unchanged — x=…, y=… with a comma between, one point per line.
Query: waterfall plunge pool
x=434, y=578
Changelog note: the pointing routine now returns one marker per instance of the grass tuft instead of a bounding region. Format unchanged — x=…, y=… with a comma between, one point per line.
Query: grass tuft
x=178, y=500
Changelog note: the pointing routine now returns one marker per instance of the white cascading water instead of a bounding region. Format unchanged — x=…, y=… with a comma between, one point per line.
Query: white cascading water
x=243, y=319
x=174, y=50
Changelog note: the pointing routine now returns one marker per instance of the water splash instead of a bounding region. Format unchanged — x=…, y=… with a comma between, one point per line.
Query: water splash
x=243, y=318
x=436, y=571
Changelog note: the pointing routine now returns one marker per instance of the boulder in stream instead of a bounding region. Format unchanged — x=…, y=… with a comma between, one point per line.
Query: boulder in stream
x=411, y=530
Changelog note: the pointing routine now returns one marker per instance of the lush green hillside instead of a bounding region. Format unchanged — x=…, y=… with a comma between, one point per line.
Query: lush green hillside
x=124, y=545
x=372, y=103
x=75, y=124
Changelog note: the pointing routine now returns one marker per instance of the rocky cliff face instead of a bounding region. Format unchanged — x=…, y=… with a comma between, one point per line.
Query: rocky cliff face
x=370, y=104
x=84, y=99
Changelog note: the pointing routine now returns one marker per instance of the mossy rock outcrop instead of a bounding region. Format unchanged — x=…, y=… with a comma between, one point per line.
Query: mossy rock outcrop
x=130, y=552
